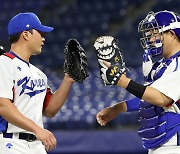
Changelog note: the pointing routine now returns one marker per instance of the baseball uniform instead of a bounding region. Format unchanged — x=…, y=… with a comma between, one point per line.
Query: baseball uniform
x=26, y=86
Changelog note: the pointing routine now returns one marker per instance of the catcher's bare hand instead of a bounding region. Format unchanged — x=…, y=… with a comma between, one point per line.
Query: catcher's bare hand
x=47, y=138
x=106, y=115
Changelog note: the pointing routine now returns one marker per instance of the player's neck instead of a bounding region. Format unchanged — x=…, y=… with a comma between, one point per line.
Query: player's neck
x=20, y=51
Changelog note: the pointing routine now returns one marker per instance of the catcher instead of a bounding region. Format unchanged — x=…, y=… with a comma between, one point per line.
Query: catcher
x=24, y=93
x=158, y=99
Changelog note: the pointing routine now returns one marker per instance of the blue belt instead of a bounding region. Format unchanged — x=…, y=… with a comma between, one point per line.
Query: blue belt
x=23, y=136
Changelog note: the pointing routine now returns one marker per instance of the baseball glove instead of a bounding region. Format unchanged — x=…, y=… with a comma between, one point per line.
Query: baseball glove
x=110, y=59
x=75, y=64
x=1, y=50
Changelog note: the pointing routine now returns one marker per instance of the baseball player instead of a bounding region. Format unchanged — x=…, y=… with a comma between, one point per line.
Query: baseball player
x=158, y=100
x=24, y=93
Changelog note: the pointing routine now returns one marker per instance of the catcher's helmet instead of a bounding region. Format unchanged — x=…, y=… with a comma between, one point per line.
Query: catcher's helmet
x=154, y=25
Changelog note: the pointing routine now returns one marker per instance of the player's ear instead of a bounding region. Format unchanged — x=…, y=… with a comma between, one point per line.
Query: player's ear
x=173, y=34
x=26, y=34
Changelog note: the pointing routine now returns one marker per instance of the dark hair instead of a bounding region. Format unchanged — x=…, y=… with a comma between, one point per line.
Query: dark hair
x=178, y=37
x=15, y=37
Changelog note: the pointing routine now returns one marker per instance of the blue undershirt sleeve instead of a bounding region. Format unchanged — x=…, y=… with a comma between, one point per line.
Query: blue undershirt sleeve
x=133, y=104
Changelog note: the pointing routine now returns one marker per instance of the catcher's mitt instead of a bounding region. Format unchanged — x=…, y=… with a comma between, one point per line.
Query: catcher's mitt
x=75, y=64
x=110, y=59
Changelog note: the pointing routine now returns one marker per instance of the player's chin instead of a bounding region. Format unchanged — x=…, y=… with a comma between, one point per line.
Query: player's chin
x=37, y=52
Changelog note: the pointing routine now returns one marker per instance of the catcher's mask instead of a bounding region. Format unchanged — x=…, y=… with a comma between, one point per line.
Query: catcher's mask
x=152, y=28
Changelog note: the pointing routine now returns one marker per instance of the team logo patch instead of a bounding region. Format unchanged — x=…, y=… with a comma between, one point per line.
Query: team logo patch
x=28, y=86
x=9, y=145
x=113, y=70
x=19, y=68
x=116, y=59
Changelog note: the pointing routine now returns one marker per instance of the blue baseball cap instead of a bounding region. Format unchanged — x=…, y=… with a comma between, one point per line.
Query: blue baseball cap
x=26, y=21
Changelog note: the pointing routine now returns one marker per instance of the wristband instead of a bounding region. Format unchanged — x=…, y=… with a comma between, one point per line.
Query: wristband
x=136, y=89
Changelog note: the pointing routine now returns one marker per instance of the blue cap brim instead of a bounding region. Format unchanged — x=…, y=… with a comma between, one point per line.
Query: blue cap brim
x=45, y=29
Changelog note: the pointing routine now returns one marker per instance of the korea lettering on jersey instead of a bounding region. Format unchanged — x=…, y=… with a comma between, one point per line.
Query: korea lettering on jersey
x=25, y=85
x=159, y=124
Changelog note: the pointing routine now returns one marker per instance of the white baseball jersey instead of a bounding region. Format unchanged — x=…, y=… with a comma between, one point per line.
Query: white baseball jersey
x=25, y=85
x=169, y=83
x=160, y=126
x=168, y=80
